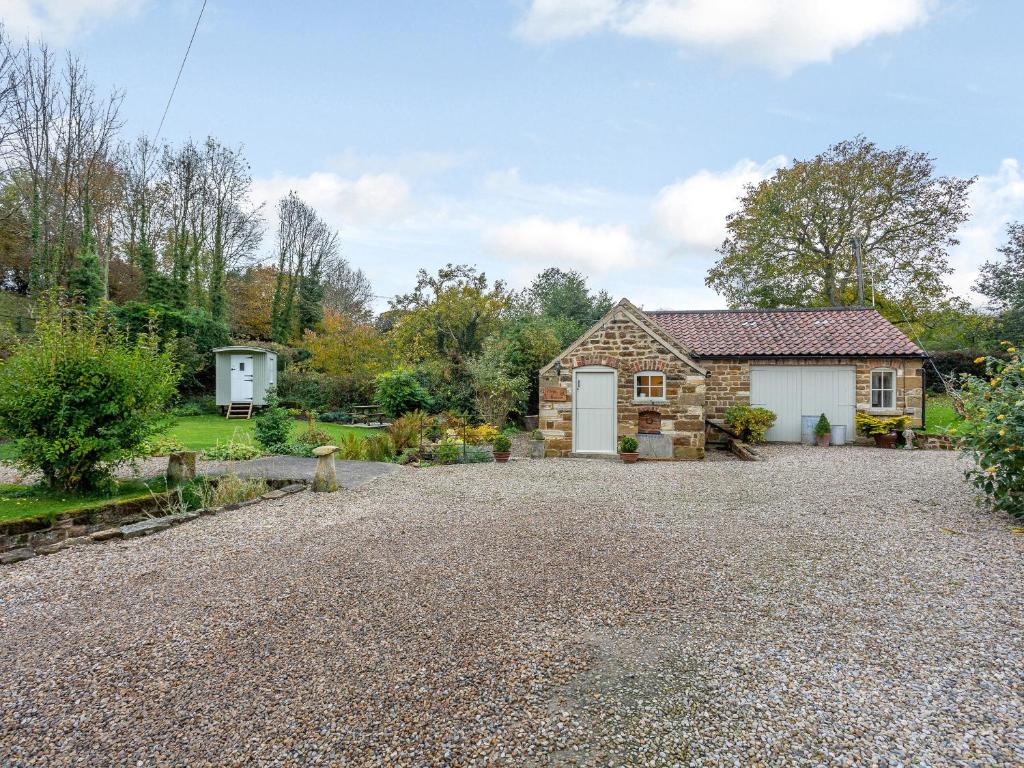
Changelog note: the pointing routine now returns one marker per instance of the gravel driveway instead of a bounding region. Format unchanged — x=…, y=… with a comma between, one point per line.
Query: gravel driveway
x=845, y=607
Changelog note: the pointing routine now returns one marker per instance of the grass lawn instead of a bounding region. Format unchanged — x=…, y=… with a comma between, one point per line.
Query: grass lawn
x=939, y=414
x=20, y=502
x=200, y=432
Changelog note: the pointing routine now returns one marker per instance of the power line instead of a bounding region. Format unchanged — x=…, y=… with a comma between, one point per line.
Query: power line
x=180, y=70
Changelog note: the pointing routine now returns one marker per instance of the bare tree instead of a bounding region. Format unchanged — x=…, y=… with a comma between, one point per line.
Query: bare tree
x=347, y=291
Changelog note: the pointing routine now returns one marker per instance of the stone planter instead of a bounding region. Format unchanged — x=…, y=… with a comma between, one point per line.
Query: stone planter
x=537, y=449
x=501, y=457
x=824, y=440
x=629, y=458
x=887, y=440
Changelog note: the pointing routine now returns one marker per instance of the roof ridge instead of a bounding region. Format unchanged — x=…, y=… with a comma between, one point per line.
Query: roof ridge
x=772, y=310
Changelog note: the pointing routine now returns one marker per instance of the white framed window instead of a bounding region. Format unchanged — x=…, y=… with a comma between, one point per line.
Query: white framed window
x=883, y=388
x=649, y=385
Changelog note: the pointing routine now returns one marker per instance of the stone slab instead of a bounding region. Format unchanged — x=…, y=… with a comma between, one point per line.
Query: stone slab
x=145, y=528
x=16, y=556
x=106, y=534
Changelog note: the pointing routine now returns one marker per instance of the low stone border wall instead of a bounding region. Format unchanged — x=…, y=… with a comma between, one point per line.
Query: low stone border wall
x=936, y=443
x=21, y=541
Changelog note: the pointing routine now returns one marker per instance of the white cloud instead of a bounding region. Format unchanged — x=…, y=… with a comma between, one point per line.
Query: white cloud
x=692, y=212
x=779, y=34
x=370, y=198
x=995, y=201
x=59, y=21
x=543, y=241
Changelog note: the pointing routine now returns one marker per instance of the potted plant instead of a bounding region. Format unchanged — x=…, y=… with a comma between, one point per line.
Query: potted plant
x=537, y=444
x=628, y=450
x=823, y=431
x=882, y=428
x=502, y=448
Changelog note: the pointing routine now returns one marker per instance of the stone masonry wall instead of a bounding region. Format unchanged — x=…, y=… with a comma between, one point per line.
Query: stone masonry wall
x=729, y=382
x=627, y=348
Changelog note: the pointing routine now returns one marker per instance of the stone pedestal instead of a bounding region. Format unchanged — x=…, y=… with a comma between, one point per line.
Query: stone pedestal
x=181, y=467
x=325, y=480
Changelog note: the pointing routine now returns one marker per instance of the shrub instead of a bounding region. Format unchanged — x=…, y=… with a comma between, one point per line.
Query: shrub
x=314, y=391
x=351, y=447
x=198, y=407
x=194, y=334
x=869, y=425
x=379, y=447
x=447, y=452
x=314, y=438
x=238, y=448
x=405, y=430
x=628, y=444
x=162, y=445
x=273, y=427
x=495, y=393
x=485, y=433
x=399, y=392
x=822, y=428
x=502, y=444
x=992, y=431
x=335, y=417
x=474, y=454
x=83, y=396
x=752, y=424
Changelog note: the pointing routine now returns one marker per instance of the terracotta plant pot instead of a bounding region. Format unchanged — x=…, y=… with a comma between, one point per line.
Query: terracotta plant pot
x=501, y=458
x=824, y=440
x=629, y=458
x=887, y=440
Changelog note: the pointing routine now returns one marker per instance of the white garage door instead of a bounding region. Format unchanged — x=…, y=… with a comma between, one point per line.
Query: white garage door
x=794, y=391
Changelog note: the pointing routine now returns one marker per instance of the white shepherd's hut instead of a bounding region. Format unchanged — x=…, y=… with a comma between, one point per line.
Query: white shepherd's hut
x=244, y=374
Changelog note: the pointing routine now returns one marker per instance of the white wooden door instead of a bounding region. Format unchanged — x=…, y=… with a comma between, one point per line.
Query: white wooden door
x=593, y=422
x=795, y=391
x=241, y=378
x=778, y=389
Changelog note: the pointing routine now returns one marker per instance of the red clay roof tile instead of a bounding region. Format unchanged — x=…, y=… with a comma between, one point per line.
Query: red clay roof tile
x=760, y=332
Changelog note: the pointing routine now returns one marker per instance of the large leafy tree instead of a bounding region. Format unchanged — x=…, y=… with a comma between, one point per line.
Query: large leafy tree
x=790, y=242
x=447, y=316
x=562, y=296
x=1003, y=281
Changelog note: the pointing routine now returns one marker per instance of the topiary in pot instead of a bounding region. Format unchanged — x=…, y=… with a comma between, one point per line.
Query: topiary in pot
x=502, y=448
x=823, y=431
x=628, y=450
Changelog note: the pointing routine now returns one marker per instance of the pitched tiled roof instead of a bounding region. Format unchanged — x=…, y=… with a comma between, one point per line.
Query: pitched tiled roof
x=849, y=332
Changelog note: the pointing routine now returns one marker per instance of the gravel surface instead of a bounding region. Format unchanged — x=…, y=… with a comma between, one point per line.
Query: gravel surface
x=843, y=607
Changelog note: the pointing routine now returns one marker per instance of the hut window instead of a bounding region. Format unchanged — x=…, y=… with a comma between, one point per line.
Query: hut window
x=883, y=388
x=649, y=385
x=241, y=366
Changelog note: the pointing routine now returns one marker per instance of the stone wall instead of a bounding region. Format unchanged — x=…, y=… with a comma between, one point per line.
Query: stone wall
x=729, y=381
x=626, y=347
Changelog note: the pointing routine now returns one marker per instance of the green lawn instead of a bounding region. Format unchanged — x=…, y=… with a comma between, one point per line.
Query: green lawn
x=200, y=432
x=19, y=502
x=939, y=413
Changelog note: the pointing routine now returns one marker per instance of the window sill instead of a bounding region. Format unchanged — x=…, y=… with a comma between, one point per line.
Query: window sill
x=649, y=400
x=886, y=411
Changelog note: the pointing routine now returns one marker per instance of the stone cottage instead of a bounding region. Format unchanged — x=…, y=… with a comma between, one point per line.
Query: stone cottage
x=660, y=375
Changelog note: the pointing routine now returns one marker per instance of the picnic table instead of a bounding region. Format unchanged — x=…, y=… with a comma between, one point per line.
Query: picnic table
x=367, y=414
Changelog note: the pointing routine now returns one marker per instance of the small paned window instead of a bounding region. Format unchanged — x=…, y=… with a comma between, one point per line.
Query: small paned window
x=241, y=366
x=883, y=389
x=649, y=386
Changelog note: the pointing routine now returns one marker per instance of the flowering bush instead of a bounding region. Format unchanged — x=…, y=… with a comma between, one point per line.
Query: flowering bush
x=992, y=431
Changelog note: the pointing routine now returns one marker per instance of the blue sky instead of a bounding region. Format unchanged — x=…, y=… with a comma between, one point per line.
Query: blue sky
x=611, y=136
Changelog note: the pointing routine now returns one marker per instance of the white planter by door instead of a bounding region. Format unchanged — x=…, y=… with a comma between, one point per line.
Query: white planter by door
x=241, y=378
x=593, y=410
